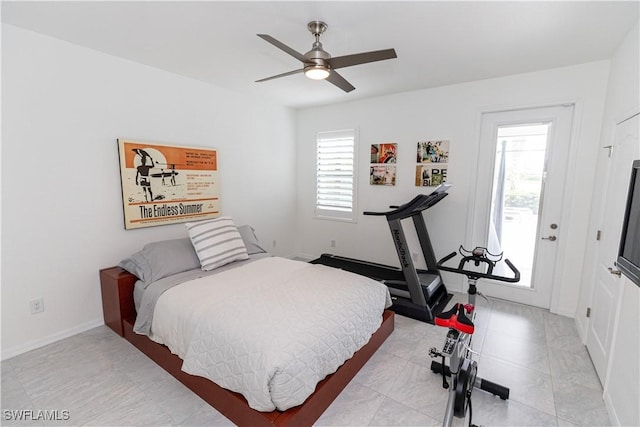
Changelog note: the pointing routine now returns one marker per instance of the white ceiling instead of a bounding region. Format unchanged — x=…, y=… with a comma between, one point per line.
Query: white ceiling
x=438, y=43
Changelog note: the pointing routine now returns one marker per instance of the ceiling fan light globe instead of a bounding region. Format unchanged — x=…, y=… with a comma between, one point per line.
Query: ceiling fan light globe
x=318, y=73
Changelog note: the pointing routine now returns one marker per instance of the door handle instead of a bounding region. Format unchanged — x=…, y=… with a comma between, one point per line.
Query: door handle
x=551, y=238
x=614, y=272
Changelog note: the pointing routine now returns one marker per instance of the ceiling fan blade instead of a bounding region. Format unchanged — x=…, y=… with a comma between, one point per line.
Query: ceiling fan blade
x=282, y=46
x=288, y=73
x=339, y=81
x=361, y=58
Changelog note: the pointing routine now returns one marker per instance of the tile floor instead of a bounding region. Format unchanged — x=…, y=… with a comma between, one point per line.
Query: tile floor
x=104, y=381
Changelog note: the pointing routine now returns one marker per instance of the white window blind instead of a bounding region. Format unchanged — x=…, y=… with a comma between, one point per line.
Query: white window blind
x=335, y=175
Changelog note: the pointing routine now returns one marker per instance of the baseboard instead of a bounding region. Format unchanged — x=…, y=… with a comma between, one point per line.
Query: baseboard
x=566, y=312
x=610, y=409
x=581, y=326
x=32, y=345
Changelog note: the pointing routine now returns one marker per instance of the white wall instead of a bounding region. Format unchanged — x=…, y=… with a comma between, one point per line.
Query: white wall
x=453, y=113
x=63, y=108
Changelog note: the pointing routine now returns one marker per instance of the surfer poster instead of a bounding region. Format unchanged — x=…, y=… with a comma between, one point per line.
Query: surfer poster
x=167, y=184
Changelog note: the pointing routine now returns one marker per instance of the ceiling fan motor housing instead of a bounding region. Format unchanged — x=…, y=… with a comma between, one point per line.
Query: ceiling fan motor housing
x=317, y=55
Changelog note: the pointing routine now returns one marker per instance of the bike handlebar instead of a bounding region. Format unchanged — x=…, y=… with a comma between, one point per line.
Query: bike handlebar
x=476, y=274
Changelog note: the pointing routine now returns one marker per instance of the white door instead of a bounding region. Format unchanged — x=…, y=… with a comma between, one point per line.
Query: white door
x=520, y=183
x=607, y=286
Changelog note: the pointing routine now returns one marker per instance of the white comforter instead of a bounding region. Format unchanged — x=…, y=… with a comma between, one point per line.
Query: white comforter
x=270, y=330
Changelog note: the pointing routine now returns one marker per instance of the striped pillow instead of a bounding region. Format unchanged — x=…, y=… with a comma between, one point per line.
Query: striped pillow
x=217, y=242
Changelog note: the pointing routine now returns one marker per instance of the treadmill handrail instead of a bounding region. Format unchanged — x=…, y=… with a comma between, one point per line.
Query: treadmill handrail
x=417, y=204
x=413, y=202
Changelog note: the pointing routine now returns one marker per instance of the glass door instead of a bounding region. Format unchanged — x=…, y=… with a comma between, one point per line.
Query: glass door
x=518, y=183
x=518, y=197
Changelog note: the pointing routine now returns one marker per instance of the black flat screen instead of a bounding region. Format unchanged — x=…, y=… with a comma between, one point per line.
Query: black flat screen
x=629, y=252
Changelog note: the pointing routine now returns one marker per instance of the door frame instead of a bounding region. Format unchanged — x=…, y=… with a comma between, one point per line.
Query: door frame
x=570, y=172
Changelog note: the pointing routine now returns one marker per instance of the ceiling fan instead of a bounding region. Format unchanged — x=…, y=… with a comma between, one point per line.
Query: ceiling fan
x=319, y=65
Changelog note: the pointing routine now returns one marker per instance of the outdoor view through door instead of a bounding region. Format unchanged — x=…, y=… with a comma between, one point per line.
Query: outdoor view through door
x=518, y=180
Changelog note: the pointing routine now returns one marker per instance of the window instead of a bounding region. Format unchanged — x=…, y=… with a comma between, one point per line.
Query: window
x=335, y=175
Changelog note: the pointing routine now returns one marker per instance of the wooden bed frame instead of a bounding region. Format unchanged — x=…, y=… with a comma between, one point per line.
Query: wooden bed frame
x=119, y=314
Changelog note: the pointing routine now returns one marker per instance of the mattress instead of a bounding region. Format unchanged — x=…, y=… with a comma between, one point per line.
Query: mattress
x=270, y=329
x=145, y=295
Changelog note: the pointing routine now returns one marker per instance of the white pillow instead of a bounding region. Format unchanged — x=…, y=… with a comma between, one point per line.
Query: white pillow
x=217, y=242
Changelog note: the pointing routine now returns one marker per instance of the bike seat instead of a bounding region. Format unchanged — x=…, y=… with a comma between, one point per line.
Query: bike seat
x=455, y=318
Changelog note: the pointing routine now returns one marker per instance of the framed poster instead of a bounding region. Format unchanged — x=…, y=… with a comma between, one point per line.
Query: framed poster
x=433, y=159
x=431, y=175
x=167, y=184
x=382, y=175
x=384, y=153
x=433, y=152
x=383, y=164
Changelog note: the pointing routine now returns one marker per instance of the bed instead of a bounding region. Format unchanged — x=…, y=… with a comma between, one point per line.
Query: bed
x=172, y=339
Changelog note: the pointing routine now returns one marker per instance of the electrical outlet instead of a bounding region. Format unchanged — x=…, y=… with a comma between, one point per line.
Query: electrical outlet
x=36, y=305
x=274, y=243
x=333, y=243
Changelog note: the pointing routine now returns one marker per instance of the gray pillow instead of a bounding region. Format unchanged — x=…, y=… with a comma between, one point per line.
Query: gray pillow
x=161, y=259
x=248, y=235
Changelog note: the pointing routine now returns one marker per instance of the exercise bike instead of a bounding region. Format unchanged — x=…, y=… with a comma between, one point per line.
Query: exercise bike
x=459, y=319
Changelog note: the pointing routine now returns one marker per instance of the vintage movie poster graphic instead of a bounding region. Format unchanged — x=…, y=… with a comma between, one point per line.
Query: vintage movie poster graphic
x=382, y=175
x=167, y=184
x=384, y=153
x=433, y=162
x=431, y=175
x=433, y=152
x=383, y=164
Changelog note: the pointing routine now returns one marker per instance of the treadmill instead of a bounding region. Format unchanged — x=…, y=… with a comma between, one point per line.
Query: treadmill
x=419, y=294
